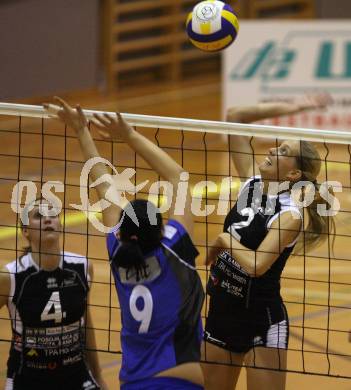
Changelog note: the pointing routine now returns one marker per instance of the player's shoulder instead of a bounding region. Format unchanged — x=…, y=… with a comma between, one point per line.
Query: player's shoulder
x=252, y=180
x=287, y=203
x=178, y=242
x=5, y=285
x=173, y=228
x=249, y=183
x=4, y=273
x=76, y=261
x=74, y=258
x=20, y=264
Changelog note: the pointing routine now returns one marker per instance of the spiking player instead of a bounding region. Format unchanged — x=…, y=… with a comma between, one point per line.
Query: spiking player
x=247, y=319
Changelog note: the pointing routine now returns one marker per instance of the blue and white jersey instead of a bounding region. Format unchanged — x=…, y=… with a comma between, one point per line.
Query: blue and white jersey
x=161, y=314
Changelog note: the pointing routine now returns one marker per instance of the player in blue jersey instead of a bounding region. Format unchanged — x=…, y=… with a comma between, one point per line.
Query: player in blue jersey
x=159, y=290
x=247, y=322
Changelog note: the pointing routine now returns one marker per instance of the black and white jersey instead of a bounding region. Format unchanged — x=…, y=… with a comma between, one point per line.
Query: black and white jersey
x=249, y=222
x=47, y=314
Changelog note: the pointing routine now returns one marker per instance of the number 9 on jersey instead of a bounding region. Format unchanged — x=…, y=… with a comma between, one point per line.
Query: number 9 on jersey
x=144, y=315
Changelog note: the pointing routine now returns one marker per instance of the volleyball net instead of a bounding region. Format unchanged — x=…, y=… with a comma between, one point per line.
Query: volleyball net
x=315, y=284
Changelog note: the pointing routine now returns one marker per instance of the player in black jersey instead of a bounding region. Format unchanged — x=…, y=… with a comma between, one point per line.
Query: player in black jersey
x=247, y=321
x=46, y=293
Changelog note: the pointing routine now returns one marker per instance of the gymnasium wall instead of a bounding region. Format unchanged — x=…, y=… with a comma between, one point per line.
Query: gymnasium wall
x=333, y=9
x=47, y=46
x=50, y=46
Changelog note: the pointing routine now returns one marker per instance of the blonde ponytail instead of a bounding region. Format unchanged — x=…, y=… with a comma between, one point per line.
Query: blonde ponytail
x=319, y=227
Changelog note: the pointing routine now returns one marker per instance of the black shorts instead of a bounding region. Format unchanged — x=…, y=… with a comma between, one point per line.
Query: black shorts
x=79, y=381
x=237, y=329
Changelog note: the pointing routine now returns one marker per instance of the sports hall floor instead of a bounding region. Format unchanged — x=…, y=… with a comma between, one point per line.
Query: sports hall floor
x=305, y=284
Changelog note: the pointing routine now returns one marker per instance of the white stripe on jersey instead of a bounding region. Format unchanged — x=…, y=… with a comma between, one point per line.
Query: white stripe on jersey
x=246, y=183
x=27, y=261
x=16, y=320
x=277, y=335
x=9, y=384
x=75, y=258
x=181, y=260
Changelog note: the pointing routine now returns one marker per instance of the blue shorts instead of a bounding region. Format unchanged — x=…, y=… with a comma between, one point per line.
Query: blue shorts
x=161, y=383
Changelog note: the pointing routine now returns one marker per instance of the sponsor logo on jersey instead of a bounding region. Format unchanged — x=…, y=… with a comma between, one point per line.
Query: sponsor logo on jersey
x=52, y=366
x=37, y=366
x=229, y=260
x=31, y=340
x=42, y=366
x=59, y=330
x=52, y=283
x=231, y=272
x=231, y=289
x=35, y=331
x=69, y=282
x=32, y=353
x=72, y=359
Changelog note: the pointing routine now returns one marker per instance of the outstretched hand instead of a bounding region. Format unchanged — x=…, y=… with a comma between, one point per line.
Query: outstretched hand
x=111, y=127
x=316, y=101
x=72, y=117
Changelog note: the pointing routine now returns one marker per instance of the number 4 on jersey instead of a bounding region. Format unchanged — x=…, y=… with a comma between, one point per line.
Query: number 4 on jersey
x=53, y=305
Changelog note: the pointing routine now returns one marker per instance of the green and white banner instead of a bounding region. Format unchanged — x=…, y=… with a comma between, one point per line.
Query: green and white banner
x=278, y=60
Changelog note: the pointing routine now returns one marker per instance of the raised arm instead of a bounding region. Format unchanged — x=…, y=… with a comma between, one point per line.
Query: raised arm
x=260, y=111
x=283, y=232
x=75, y=119
x=242, y=153
x=116, y=127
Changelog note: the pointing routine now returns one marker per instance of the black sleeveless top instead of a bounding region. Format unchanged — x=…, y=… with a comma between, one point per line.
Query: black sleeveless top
x=249, y=222
x=47, y=314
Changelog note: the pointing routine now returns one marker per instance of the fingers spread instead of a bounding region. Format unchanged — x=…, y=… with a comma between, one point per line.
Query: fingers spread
x=81, y=113
x=98, y=124
x=52, y=110
x=109, y=118
x=102, y=120
x=51, y=107
x=62, y=103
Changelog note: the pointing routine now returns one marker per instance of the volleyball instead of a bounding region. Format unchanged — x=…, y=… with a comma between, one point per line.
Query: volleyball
x=212, y=25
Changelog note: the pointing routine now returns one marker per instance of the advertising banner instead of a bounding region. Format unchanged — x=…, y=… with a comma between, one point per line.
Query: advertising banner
x=283, y=60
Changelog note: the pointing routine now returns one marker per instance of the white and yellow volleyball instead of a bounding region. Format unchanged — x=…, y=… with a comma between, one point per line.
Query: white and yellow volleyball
x=212, y=25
